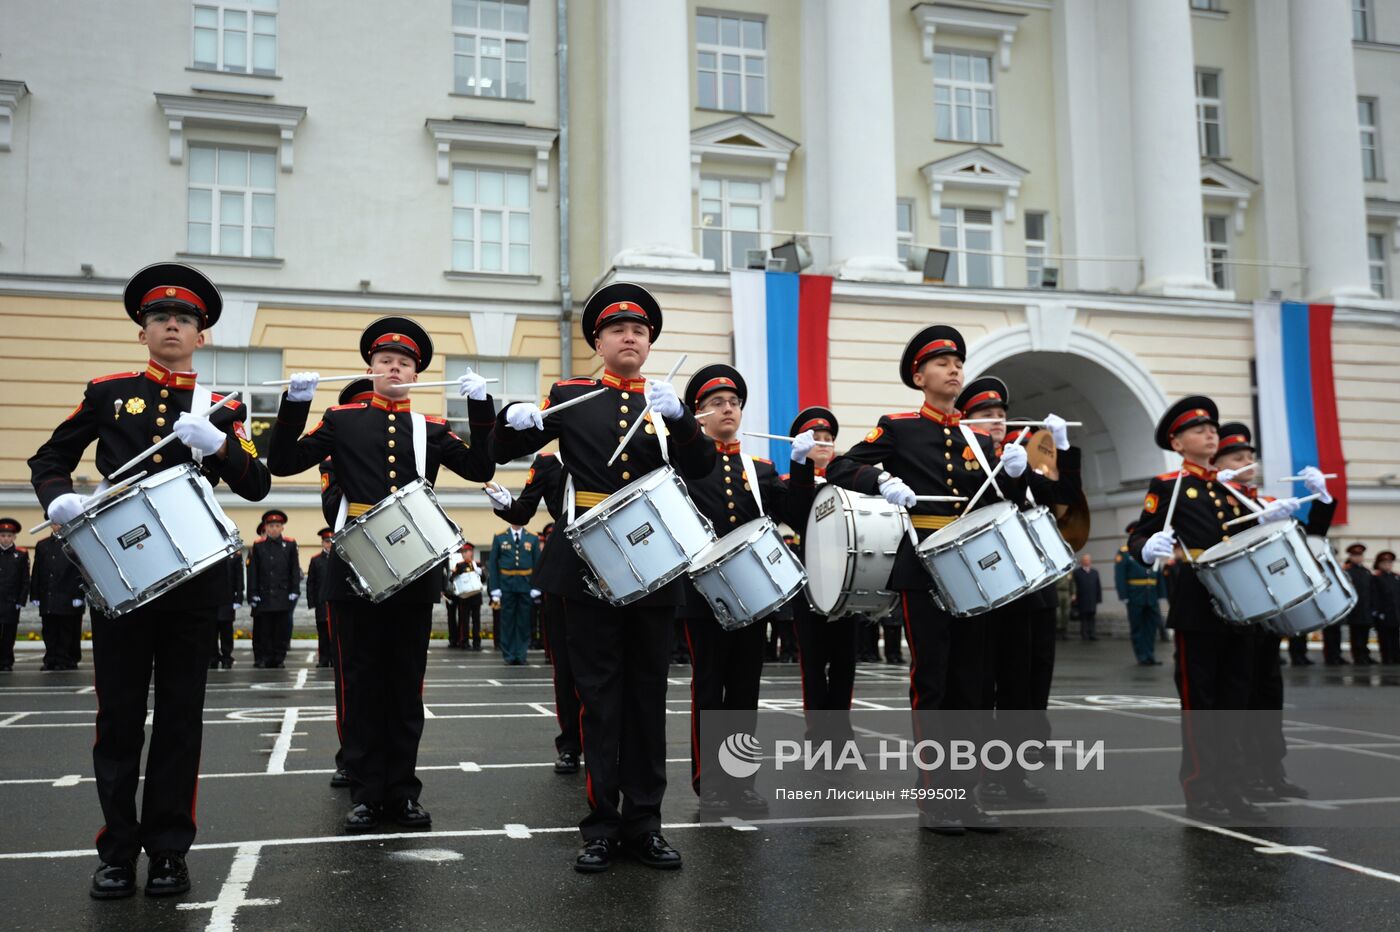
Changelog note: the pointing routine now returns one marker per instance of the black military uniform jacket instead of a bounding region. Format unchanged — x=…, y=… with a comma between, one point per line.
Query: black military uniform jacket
x=1062, y=491
x=587, y=436
x=14, y=583
x=125, y=414
x=316, y=580
x=233, y=568
x=274, y=574
x=371, y=448
x=545, y=483
x=55, y=583
x=925, y=449
x=724, y=496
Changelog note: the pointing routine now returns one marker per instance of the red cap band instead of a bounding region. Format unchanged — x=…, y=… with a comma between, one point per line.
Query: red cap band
x=928, y=349
x=621, y=307
x=172, y=293
x=1191, y=415
x=816, y=423
x=1234, y=439
x=396, y=341
x=715, y=385
x=976, y=400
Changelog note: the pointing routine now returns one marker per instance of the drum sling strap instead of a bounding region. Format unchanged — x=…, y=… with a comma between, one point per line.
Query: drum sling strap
x=751, y=477
x=420, y=456
x=657, y=422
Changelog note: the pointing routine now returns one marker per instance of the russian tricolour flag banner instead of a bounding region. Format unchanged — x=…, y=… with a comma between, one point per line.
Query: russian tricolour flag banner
x=1297, y=400
x=781, y=349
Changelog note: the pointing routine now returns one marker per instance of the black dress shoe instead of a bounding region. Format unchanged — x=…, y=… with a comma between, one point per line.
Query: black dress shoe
x=259, y=665
x=750, y=800
x=1284, y=789
x=227, y=664
x=341, y=778
x=567, y=763
x=990, y=789
x=410, y=814
x=323, y=663
x=714, y=801
x=1208, y=811
x=1260, y=792
x=214, y=664
x=113, y=881
x=363, y=818
x=596, y=856
x=1303, y=662
x=979, y=820
x=651, y=849
x=1241, y=808
x=167, y=875
x=942, y=822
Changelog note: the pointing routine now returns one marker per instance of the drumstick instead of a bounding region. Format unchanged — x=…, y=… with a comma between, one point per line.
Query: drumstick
x=334, y=378
x=754, y=433
x=643, y=416
x=97, y=497
x=1253, y=505
x=1018, y=423
x=1171, y=509
x=1243, y=518
x=171, y=436
x=555, y=409
x=993, y=474
x=1326, y=475
x=433, y=384
x=940, y=498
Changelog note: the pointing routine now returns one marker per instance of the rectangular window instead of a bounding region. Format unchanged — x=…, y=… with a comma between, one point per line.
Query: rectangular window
x=1376, y=256
x=1035, y=247
x=244, y=371
x=731, y=62
x=904, y=226
x=964, y=98
x=734, y=208
x=1366, y=114
x=232, y=203
x=519, y=380
x=1205, y=4
x=490, y=220
x=1210, y=113
x=1217, y=235
x=236, y=35
x=1361, y=20
x=968, y=232
x=490, y=51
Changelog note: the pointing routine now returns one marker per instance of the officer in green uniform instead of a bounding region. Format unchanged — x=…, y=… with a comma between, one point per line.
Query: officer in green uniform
x=513, y=556
x=1141, y=587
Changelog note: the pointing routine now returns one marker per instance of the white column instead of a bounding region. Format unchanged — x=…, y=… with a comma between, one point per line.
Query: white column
x=1331, y=196
x=860, y=141
x=1166, y=155
x=647, y=145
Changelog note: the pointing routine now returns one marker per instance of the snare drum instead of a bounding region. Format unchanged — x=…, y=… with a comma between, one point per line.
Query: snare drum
x=465, y=585
x=136, y=545
x=1260, y=572
x=1326, y=607
x=1046, y=531
x=747, y=574
x=849, y=547
x=984, y=559
x=641, y=537
x=397, y=541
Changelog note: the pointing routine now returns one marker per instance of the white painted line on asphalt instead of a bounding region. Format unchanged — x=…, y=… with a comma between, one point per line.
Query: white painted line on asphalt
x=516, y=830
x=71, y=779
x=1290, y=849
x=233, y=895
x=540, y=708
x=738, y=824
x=11, y=719
x=301, y=678
x=310, y=657
x=277, y=763
x=467, y=766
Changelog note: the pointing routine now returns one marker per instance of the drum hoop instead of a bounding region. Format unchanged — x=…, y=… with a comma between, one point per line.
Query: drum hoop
x=845, y=500
x=753, y=537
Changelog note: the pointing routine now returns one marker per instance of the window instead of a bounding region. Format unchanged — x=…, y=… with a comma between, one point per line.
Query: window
x=1366, y=112
x=236, y=35
x=1213, y=5
x=1217, y=238
x=519, y=381
x=964, y=99
x=244, y=371
x=1035, y=247
x=1361, y=20
x=966, y=228
x=1375, y=255
x=904, y=226
x=731, y=62
x=490, y=220
x=733, y=207
x=1210, y=124
x=490, y=51
x=232, y=201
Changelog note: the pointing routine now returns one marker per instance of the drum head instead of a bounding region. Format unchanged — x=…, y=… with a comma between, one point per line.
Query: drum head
x=826, y=545
x=736, y=539
x=645, y=482
x=973, y=521
x=1243, y=541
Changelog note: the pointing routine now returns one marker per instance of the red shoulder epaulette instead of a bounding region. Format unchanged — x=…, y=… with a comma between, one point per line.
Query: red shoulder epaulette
x=577, y=382
x=290, y=540
x=759, y=459
x=432, y=419
x=903, y=415
x=215, y=398
x=22, y=549
x=786, y=477
x=1169, y=476
x=349, y=407
x=114, y=375
x=260, y=540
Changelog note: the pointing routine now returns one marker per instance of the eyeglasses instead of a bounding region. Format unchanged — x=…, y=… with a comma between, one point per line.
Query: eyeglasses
x=164, y=317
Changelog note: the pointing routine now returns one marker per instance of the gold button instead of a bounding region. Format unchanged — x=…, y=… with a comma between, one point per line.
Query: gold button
x=155, y=439
x=621, y=423
x=626, y=395
x=947, y=456
x=164, y=393
x=624, y=457
x=948, y=442
x=1220, y=514
x=393, y=430
x=650, y=429
x=731, y=506
x=157, y=457
x=391, y=458
x=948, y=430
x=393, y=488
x=733, y=519
x=728, y=491
x=622, y=409
x=1210, y=485
x=626, y=474
x=161, y=408
x=950, y=467
x=728, y=479
x=392, y=417
x=160, y=422
x=391, y=444
x=393, y=474
x=1226, y=537
x=726, y=458
x=727, y=468
x=957, y=504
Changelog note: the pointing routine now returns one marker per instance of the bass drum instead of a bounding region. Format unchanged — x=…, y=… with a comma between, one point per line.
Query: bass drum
x=849, y=549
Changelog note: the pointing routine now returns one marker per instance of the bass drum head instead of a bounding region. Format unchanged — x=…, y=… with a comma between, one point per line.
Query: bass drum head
x=826, y=545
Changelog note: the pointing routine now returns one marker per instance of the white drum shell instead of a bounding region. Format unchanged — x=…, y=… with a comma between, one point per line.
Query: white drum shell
x=466, y=584
x=144, y=541
x=641, y=537
x=984, y=560
x=849, y=547
x=1260, y=572
x=1046, y=532
x=1326, y=607
x=397, y=541
x=747, y=574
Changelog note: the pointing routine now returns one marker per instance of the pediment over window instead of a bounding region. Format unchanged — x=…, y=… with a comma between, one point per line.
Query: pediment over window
x=741, y=139
x=952, y=19
x=1221, y=184
x=496, y=135
x=975, y=169
x=223, y=113
x=11, y=93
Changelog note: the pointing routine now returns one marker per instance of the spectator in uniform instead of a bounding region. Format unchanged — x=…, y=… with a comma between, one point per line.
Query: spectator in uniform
x=55, y=587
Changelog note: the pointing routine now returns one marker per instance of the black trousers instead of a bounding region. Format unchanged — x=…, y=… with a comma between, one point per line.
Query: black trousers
x=8, y=631
x=1213, y=675
x=1332, y=642
x=333, y=636
x=383, y=654
x=894, y=649
x=826, y=653
x=63, y=638
x=1009, y=683
x=127, y=652
x=323, y=636
x=272, y=633
x=1266, y=746
x=1389, y=638
x=464, y=619
x=620, y=656
x=1298, y=649
x=725, y=667
x=223, y=640
x=780, y=642
x=556, y=646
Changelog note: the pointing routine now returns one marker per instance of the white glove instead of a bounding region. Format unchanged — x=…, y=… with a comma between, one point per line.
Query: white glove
x=1315, y=483
x=535, y=593
x=523, y=416
x=1228, y=475
x=1059, y=430
x=291, y=597
x=19, y=608
x=237, y=606
x=471, y=386
x=66, y=507
x=202, y=437
x=77, y=603
x=897, y=493
x=1279, y=510
x=33, y=601
x=495, y=595
x=663, y=399
x=802, y=444
x=1159, y=546
x=303, y=386
x=500, y=495
x=1014, y=456
x=255, y=599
